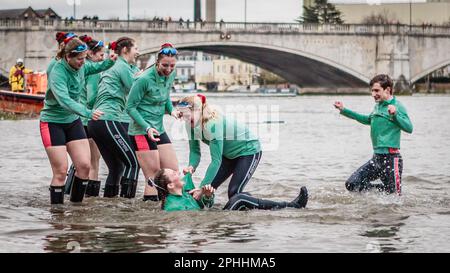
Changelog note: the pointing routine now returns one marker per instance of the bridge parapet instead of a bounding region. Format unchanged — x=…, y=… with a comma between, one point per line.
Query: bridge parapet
x=175, y=26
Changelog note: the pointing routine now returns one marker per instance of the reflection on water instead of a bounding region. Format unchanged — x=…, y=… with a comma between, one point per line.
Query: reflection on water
x=317, y=148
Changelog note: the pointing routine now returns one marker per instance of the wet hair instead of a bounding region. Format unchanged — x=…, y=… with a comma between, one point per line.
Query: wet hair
x=199, y=102
x=67, y=48
x=91, y=43
x=161, y=180
x=119, y=44
x=384, y=80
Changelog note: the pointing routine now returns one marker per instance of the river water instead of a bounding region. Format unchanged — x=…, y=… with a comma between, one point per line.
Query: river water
x=311, y=145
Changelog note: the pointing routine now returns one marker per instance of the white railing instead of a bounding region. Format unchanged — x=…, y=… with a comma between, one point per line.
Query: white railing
x=175, y=26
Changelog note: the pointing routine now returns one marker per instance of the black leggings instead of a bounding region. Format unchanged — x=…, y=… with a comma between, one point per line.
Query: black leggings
x=242, y=169
x=386, y=167
x=244, y=201
x=115, y=147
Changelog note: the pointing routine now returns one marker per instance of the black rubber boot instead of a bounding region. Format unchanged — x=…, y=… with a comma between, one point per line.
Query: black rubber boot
x=128, y=188
x=301, y=200
x=78, y=189
x=56, y=194
x=111, y=191
x=93, y=188
x=69, y=179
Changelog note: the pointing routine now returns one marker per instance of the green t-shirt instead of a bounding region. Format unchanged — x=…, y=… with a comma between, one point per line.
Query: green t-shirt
x=385, y=129
x=148, y=101
x=186, y=201
x=114, y=87
x=62, y=99
x=225, y=137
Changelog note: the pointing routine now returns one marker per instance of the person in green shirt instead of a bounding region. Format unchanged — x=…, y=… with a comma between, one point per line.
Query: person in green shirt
x=235, y=151
x=109, y=133
x=60, y=124
x=95, y=54
x=387, y=120
x=177, y=193
x=60, y=38
x=147, y=104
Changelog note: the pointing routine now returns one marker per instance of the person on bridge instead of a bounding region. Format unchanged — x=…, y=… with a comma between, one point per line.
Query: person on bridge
x=17, y=76
x=110, y=131
x=149, y=100
x=177, y=195
x=60, y=124
x=387, y=120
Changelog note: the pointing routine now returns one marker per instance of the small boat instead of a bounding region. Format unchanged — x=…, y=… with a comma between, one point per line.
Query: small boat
x=21, y=103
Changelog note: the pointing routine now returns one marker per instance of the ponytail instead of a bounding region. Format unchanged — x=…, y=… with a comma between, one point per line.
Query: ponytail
x=160, y=182
x=119, y=44
x=94, y=45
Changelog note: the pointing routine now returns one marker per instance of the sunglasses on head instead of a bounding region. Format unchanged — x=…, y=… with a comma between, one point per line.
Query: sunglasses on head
x=169, y=51
x=183, y=105
x=80, y=48
x=99, y=44
x=70, y=35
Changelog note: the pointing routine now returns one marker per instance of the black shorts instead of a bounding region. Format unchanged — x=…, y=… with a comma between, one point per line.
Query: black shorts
x=86, y=131
x=143, y=142
x=58, y=134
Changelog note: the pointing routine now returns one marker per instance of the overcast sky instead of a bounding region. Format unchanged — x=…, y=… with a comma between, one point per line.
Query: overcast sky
x=229, y=10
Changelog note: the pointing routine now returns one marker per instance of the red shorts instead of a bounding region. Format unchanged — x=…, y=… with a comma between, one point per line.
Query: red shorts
x=143, y=142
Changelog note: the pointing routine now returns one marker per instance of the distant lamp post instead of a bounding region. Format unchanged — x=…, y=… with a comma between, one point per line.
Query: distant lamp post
x=410, y=14
x=128, y=13
x=245, y=12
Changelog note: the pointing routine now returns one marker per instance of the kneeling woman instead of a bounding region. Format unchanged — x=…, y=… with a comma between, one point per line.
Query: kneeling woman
x=62, y=131
x=175, y=193
x=234, y=150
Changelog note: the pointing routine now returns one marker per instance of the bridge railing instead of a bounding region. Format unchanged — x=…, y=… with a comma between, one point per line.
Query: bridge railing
x=225, y=27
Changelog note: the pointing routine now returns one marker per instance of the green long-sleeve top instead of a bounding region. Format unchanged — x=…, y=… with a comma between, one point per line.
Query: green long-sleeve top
x=62, y=99
x=186, y=201
x=385, y=129
x=89, y=92
x=114, y=87
x=50, y=66
x=148, y=101
x=225, y=137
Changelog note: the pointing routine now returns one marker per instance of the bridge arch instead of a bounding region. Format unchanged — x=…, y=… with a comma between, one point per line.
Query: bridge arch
x=429, y=70
x=299, y=67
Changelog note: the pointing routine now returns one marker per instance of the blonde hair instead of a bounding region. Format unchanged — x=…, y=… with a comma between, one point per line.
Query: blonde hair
x=207, y=112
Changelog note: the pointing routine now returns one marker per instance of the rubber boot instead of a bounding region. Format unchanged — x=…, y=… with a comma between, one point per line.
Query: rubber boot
x=69, y=180
x=128, y=188
x=301, y=200
x=93, y=188
x=78, y=189
x=111, y=191
x=56, y=194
